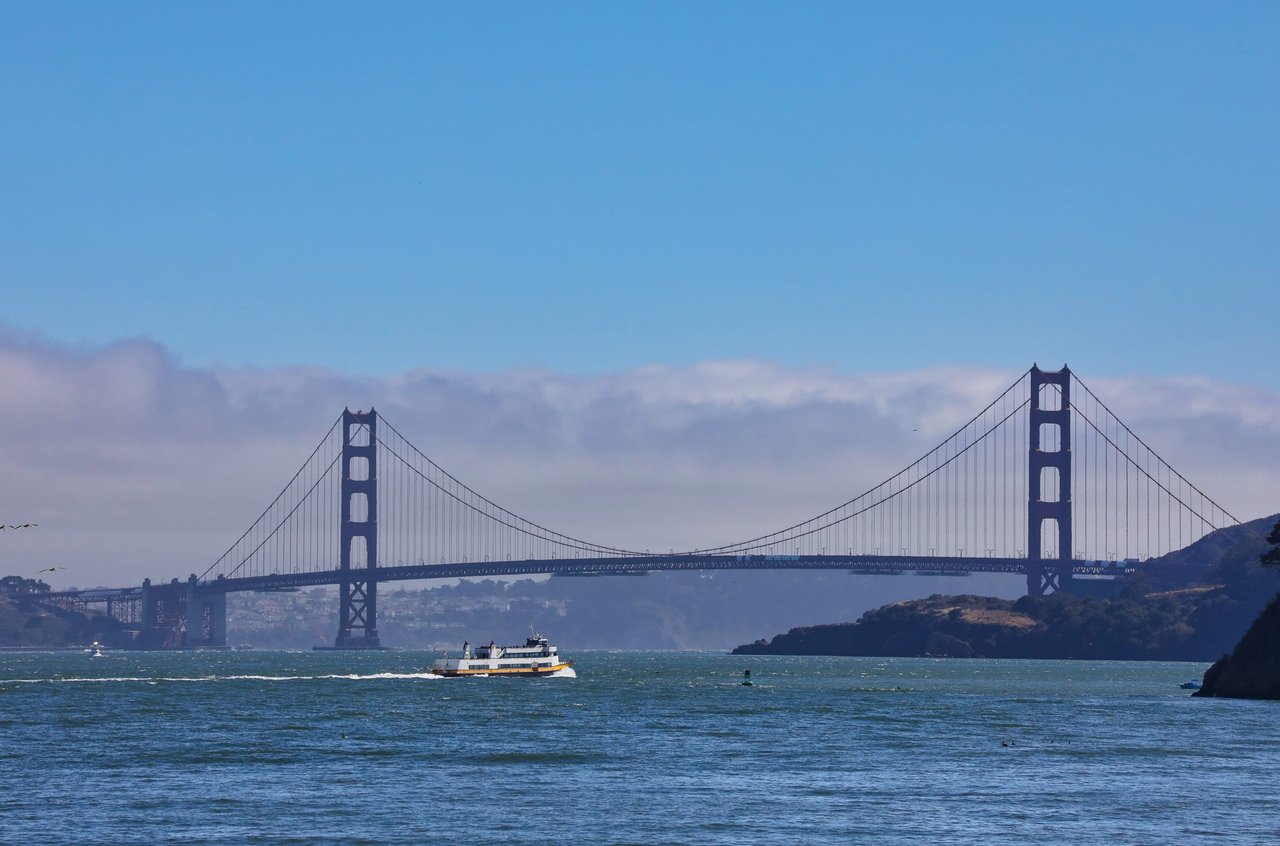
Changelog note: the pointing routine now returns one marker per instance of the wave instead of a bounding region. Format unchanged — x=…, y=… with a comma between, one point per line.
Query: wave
x=529, y=757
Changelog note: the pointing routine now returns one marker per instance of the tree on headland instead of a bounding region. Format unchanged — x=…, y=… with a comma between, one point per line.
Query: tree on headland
x=15, y=585
x=1271, y=558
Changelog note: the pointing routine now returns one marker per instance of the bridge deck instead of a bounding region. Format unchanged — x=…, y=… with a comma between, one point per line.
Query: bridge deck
x=855, y=564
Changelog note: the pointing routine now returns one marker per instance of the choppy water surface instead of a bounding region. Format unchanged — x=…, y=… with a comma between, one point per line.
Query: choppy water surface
x=639, y=748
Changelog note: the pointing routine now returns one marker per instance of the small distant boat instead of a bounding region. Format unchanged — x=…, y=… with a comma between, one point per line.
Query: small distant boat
x=1190, y=685
x=536, y=658
x=97, y=650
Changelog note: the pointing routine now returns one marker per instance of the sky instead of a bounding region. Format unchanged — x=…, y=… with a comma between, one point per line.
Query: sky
x=236, y=215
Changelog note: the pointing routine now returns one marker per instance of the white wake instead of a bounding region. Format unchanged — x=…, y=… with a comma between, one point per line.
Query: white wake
x=215, y=678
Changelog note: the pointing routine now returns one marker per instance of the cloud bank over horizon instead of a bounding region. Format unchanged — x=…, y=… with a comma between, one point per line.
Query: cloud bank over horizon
x=135, y=465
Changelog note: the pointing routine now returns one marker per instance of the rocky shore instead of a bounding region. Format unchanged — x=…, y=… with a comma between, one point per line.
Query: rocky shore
x=1252, y=670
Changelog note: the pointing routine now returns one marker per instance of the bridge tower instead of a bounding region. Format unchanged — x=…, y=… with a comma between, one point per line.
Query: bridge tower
x=1049, y=494
x=358, y=532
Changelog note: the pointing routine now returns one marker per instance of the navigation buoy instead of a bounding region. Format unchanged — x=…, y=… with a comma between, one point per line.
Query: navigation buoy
x=746, y=678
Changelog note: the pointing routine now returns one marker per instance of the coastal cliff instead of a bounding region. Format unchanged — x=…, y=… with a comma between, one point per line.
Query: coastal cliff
x=1252, y=670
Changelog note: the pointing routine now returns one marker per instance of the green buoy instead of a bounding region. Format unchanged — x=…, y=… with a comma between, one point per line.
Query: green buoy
x=746, y=678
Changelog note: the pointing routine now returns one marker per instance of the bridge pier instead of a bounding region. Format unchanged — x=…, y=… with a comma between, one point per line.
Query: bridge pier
x=147, y=612
x=206, y=623
x=164, y=609
x=178, y=616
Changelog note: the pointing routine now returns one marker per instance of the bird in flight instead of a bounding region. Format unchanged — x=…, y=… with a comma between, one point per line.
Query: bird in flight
x=50, y=569
x=19, y=526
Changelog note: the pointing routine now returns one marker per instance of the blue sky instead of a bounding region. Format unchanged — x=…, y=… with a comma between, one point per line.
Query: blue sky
x=588, y=187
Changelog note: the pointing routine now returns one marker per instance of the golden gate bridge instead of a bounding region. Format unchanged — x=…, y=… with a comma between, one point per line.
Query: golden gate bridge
x=1045, y=481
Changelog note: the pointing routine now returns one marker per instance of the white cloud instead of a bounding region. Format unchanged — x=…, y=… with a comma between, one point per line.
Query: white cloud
x=136, y=466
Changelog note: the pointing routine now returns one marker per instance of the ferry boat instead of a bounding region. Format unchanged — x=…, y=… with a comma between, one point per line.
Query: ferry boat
x=536, y=658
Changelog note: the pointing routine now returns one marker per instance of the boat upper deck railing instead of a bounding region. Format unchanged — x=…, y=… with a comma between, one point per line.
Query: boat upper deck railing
x=515, y=652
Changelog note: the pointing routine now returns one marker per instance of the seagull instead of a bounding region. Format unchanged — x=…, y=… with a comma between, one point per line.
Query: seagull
x=20, y=526
x=50, y=569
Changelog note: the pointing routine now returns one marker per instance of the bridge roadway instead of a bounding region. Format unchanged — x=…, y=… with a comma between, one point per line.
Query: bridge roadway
x=623, y=565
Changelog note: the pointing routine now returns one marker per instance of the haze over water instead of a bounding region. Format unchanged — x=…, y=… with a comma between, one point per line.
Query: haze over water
x=649, y=748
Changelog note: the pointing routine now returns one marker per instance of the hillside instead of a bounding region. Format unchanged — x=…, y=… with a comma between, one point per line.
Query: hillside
x=24, y=624
x=1192, y=564
x=1196, y=623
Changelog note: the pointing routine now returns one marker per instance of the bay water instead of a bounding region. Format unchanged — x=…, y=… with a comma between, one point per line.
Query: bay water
x=639, y=748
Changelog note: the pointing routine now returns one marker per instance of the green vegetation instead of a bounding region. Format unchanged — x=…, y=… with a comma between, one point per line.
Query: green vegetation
x=1190, y=623
x=1271, y=558
x=17, y=585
